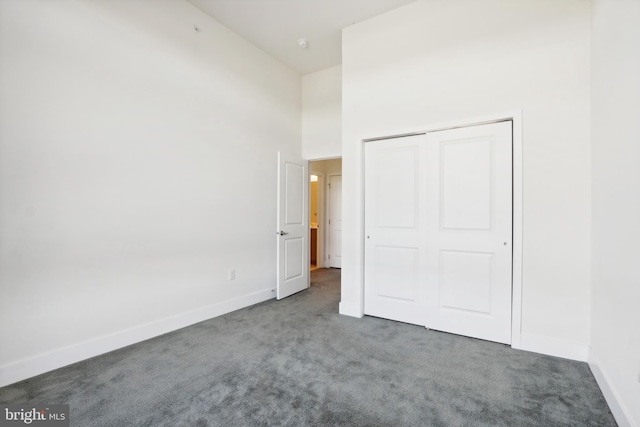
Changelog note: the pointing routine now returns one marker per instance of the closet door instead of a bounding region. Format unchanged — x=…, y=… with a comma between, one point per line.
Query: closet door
x=438, y=230
x=393, y=222
x=469, y=227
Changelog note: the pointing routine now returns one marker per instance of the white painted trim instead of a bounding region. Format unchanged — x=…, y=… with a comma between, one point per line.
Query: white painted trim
x=27, y=368
x=350, y=310
x=432, y=127
x=618, y=409
x=516, y=118
x=553, y=347
x=516, y=273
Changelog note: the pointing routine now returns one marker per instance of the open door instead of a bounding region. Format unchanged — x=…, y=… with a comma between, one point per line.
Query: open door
x=293, y=226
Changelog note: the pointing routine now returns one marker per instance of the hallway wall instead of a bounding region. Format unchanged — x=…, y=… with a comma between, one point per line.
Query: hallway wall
x=615, y=98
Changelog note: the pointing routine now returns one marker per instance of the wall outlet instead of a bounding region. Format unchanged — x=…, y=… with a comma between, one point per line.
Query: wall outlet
x=232, y=274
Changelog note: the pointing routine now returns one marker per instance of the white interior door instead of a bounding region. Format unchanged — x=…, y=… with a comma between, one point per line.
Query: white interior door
x=438, y=230
x=469, y=224
x=394, y=271
x=335, y=221
x=293, y=226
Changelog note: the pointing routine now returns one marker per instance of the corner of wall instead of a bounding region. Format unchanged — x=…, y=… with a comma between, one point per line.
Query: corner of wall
x=350, y=309
x=553, y=347
x=618, y=409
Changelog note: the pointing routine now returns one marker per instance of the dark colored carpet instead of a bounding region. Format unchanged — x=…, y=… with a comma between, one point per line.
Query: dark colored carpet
x=297, y=362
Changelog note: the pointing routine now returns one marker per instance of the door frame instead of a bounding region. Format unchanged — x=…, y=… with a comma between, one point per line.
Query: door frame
x=327, y=242
x=516, y=279
x=320, y=263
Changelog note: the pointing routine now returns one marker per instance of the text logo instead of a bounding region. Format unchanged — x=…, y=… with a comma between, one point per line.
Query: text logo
x=34, y=415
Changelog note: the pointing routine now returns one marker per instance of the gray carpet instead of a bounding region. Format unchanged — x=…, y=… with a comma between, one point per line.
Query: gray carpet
x=297, y=362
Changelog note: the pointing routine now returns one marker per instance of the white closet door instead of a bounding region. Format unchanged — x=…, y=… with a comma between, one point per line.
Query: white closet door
x=468, y=226
x=292, y=254
x=438, y=230
x=393, y=219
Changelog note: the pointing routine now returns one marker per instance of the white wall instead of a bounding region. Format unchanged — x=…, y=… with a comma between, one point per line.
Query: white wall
x=330, y=166
x=439, y=61
x=615, y=332
x=322, y=114
x=136, y=155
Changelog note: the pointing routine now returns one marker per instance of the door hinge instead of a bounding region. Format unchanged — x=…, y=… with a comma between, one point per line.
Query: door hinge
x=329, y=257
x=329, y=222
x=329, y=185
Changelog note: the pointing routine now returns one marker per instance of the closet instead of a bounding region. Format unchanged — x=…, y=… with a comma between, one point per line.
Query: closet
x=438, y=230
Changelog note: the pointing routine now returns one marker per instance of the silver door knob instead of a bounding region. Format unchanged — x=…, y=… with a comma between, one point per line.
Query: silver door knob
x=282, y=233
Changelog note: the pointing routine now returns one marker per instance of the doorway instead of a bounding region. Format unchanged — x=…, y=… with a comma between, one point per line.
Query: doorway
x=324, y=212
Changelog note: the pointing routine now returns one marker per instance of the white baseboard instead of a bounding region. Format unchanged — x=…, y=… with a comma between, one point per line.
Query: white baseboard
x=618, y=409
x=352, y=310
x=27, y=368
x=553, y=347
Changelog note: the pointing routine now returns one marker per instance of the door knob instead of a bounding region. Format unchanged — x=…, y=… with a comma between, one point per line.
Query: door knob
x=282, y=233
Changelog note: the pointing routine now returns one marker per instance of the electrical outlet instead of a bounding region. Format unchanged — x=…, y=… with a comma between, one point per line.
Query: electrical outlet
x=232, y=274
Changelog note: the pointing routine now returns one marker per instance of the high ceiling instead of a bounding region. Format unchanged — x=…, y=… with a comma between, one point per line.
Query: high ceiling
x=275, y=26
